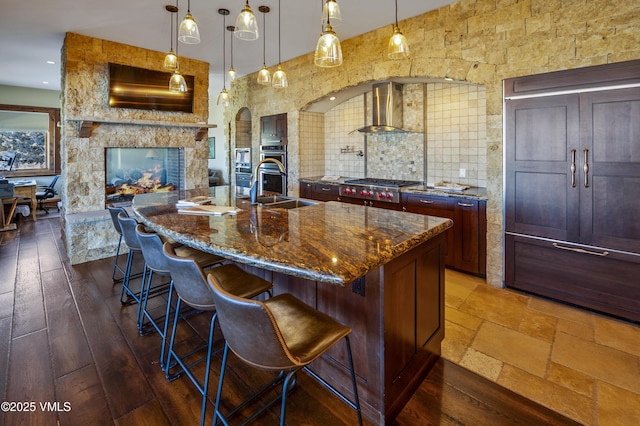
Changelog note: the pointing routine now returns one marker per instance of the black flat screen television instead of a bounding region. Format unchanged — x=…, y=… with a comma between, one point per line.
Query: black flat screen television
x=139, y=88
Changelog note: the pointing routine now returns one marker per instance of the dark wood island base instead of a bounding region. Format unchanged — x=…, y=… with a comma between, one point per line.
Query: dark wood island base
x=397, y=315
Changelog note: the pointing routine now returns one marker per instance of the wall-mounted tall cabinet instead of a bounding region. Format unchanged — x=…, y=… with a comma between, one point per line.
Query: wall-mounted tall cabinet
x=572, y=187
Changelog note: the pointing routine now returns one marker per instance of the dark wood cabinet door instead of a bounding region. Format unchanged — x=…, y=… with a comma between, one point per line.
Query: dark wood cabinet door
x=273, y=127
x=436, y=206
x=466, y=231
x=542, y=158
x=306, y=190
x=610, y=199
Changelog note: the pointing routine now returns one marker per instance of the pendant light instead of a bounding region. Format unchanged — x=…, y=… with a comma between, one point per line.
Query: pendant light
x=171, y=60
x=328, y=51
x=232, y=71
x=264, y=76
x=177, y=84
x=246, y=25
x=223, y=97
x=279, y=77
x=398, y=46
x=188, y=33
x=332, y=10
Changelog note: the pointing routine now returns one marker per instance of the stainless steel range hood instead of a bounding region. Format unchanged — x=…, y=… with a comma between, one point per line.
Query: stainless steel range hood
x=386, y=108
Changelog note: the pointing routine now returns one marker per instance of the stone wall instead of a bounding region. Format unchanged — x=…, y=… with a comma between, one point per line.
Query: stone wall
x=475, y=41
x=87, y=229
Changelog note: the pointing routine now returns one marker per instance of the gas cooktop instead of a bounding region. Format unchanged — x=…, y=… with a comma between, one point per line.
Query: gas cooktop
x=387, y=190
x=391, y=183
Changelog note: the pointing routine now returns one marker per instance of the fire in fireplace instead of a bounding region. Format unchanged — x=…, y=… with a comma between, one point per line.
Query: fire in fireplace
x=132, y=171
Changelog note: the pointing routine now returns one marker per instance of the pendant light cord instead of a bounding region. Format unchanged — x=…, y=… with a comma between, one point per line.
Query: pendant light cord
x=396, y=13
x=226, y=29
x=224, y=51
x=279, y=29
x=171, y=33
x=177, y=44
x=264, y=39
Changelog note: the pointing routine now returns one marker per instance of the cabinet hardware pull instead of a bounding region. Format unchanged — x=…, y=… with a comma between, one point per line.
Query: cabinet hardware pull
x=466, y=205
x=426, y=201
x=583, y=251
x=326, y=189
x=586, y=167
x=573, y=168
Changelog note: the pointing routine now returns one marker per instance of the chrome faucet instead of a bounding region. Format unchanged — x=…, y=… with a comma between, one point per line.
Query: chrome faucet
x=253, y=189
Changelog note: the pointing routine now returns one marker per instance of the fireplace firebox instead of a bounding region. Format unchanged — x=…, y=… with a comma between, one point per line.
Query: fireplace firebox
x=132, y=171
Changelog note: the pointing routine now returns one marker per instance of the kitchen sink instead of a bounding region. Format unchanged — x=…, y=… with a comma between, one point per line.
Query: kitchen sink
x=273, y=199
x=293, y=203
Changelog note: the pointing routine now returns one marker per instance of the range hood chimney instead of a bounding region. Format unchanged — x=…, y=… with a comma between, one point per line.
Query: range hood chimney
x=387, y=109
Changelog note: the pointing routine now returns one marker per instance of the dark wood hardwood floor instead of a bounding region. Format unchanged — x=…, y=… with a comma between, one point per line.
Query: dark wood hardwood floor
x=66, y=339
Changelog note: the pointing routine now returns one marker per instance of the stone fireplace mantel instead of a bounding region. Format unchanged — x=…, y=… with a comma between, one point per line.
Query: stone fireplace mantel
x=86, y=125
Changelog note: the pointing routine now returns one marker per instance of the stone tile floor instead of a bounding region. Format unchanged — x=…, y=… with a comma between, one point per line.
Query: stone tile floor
x=576, y=362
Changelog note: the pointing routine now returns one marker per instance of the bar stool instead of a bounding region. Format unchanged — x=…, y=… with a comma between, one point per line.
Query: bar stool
x=280, y=334
x=191, y=286
x=128, y=227
x=114, y=211
x=151, y=244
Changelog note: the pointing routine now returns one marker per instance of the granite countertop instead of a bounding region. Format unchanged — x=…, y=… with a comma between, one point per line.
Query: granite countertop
x=332, y=242
x=475, y=193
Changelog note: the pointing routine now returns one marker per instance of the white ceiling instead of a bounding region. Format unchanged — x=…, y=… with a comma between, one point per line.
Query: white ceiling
x=32, y=31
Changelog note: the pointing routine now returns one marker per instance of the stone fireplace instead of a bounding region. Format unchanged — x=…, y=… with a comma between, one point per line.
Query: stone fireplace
x=90, y=127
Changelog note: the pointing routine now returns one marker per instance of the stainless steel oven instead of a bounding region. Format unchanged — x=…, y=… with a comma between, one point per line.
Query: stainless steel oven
x=269, y=177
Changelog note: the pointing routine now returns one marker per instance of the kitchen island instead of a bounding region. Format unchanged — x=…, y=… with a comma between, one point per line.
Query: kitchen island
x=380, y=272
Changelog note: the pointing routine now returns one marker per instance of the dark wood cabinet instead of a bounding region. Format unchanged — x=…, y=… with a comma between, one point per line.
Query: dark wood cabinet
x=434, y=206
x=465, y=247
x=465, y=243
x=273, y=128
x=572, y=185
x=306, y=190
x=325, y=192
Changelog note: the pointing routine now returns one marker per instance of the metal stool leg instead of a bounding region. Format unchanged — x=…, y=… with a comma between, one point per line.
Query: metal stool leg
x=165, y=328
x=126, y=290
x=117, y=267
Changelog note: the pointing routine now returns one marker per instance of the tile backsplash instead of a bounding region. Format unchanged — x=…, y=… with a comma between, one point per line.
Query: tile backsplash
x=457, y=133
x=453, y=114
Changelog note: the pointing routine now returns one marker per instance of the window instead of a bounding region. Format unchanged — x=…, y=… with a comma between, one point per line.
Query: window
x=32, y=134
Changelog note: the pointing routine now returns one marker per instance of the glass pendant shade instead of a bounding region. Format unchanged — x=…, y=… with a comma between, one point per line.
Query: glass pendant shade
x=223, y=98
x=246, y=24
x=170, y=61
x=280, y=78
x=188, y=32
x=328, y=50
x=232, y=74
x=398, y=46
x=177, y=83
x=264, y=76
x=333, y=10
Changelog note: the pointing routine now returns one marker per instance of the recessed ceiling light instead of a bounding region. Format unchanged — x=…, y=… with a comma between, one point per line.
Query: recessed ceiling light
x=45, y=82
x=51, y=62
x=332, y=98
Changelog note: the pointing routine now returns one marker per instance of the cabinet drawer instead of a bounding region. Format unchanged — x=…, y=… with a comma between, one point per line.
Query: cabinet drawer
x=592, y=278
x=428, y=203
x=326, y=189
